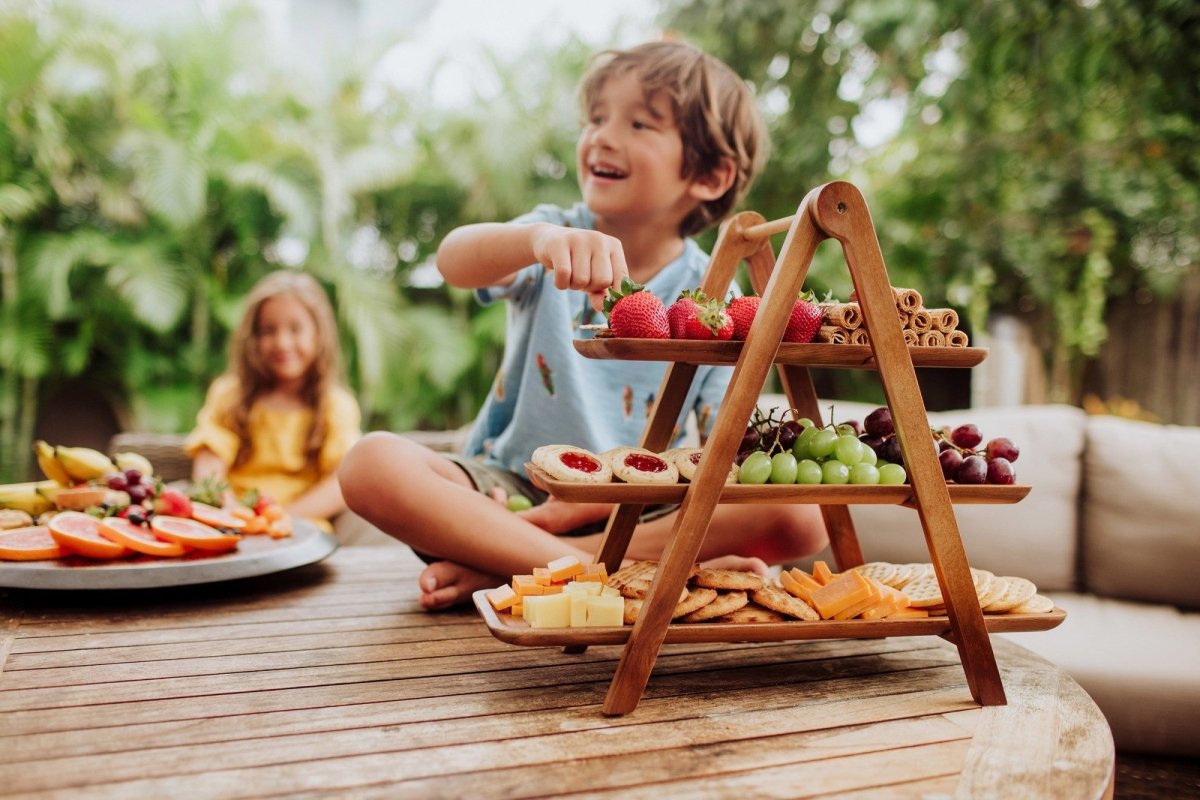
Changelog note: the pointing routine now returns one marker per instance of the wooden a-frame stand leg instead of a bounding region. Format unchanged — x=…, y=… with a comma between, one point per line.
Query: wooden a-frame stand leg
x=835, y=210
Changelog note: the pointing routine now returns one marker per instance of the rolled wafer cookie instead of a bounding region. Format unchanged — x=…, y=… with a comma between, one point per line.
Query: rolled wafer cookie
x=944, y=319
x=911, y=338
x=920, y=321
x=860, y=336
x=844, y=315
x=832, y=334
x=906, y=299
x=957, y=339
x=933, y=339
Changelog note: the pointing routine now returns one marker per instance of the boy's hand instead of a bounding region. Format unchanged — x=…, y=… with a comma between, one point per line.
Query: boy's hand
x=588, y=261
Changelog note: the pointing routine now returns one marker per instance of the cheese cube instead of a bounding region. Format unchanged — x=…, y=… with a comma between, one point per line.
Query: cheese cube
x=593, y=572
x=501, y=597
x=579, y=608
x=526, y=585
x=609, y=591
x=564, y=568
x=575, y=587
x=605, y=611
x=548, y=611
x=541, y=576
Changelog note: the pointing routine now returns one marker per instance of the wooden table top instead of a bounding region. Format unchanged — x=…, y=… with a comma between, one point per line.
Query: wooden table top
x=328, y=680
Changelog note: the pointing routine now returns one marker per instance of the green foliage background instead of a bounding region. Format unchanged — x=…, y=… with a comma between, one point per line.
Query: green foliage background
x=1045, y=164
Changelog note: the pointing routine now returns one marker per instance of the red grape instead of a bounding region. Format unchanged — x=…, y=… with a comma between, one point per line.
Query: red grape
x=879, y=422
x=116, y=481
x=951, y=460
x=966, y=436
x=973, y=469
x=750, y=439
x=1000, y=471
x=1002, y=448
x=787, y=433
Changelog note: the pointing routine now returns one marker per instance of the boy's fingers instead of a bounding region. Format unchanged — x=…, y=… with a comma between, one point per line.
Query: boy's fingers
x=620, y=268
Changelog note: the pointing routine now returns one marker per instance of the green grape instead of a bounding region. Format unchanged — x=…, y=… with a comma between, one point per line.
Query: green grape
x=848, y=450
x=835, y=472
x=822, y=443
x=803, y=442
x=756, y=468
x=806, y=423
x=519, y=502
x=808, y=472
x=869, y=456
x=864, y=474
x=892, y=475
x=783, y=468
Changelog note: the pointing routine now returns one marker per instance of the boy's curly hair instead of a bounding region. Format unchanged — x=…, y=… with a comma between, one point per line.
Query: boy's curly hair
x=713, y=107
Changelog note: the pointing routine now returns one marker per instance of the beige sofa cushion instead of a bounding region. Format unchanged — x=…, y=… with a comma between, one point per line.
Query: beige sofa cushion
x=1139, y=662
x=1141, y=511
x=1035, y=538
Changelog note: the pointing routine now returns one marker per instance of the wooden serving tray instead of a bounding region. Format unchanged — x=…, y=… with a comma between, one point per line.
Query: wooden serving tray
x=653, y=494
x=514, y=630
x=844, y=356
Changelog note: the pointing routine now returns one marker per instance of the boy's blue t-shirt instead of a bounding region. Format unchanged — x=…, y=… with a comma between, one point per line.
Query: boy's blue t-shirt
x=547, y=393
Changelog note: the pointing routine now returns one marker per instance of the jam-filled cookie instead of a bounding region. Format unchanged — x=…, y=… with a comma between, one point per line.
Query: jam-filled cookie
x=563, y=462
x=687, y=461
x=638, y=465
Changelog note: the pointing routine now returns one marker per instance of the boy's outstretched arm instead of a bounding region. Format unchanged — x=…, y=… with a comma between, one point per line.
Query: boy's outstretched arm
x=491, y=253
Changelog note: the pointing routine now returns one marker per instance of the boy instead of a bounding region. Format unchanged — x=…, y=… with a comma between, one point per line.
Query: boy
x=671, y=142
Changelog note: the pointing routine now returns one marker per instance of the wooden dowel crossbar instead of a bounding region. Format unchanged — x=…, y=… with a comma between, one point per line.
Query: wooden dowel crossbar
x=765, y=229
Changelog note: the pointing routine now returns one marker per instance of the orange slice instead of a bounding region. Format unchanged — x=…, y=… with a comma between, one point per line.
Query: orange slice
x=216, y=517
x=79, y=533
x=138, y=538
x=190, y=533
x=33, y=543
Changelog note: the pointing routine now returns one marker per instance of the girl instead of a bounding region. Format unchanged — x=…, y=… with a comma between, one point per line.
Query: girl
x=279, y=420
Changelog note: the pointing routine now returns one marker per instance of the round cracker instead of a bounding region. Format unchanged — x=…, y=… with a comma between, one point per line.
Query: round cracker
x=991, y=591
x=726, y=603
x=881, y=571
x=1038, y=604
x=779, y=600
x=923, y=592
x=1019, y=590
x=729, y=579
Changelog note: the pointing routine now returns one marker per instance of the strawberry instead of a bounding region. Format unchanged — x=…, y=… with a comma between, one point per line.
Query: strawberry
x=743, y=309
x=173, y=503
x=695, y=316
x=805, y=319
x=635, y=313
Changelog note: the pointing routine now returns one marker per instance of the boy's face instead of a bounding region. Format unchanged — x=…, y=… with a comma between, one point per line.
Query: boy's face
x=630, y=156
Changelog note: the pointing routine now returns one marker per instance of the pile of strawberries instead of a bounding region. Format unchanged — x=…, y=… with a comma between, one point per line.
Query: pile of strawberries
x=635, y=313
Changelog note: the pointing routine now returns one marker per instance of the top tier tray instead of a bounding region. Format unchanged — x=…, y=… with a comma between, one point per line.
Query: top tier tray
x=843, y=356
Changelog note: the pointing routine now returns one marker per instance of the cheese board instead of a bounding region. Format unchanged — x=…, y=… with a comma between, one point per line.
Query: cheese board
x=514, y=630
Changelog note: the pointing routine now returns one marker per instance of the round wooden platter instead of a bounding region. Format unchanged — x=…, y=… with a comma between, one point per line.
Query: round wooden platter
x=845, y=356
x=654, y=494
x=514, y=630
x=255, y=555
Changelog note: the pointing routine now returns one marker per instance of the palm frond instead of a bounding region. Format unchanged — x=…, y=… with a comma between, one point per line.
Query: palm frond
x=171, y=179
x=155, y=290
x=286, y=196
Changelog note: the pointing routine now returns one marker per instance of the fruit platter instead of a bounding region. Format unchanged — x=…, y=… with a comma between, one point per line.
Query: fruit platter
x=101, y=523
x=786, y=458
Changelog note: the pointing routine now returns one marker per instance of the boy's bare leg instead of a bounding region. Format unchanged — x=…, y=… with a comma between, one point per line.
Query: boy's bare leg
x=429, y=503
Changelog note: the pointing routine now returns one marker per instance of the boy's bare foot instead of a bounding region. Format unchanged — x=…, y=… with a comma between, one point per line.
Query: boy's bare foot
x=741, y=563
x=445, y=583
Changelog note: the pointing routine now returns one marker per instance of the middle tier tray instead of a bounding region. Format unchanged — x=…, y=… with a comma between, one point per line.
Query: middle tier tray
x=653, y=494
x=843, y=356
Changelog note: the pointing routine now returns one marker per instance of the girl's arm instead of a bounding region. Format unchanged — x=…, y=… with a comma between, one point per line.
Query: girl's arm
x=323, y=501
x=207, y=464
x=491, y=253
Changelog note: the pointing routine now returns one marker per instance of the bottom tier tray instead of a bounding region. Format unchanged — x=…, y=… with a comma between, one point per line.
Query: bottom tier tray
x=513, y=630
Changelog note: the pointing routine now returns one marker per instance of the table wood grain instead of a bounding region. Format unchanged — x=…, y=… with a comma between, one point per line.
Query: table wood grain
x=328, y=680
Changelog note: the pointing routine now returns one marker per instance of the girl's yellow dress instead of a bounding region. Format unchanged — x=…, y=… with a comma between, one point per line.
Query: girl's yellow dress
x=277, y=465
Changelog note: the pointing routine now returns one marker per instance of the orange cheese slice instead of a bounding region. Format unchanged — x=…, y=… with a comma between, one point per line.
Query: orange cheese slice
x=501, y=597
x=565, y=568
x=908, y=613
x=541, y=576
x=805, y=584
x=525, y=585
x=848, y=589
x=823, y=574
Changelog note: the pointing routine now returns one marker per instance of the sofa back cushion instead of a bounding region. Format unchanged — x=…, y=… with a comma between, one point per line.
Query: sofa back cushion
x=1035, y=538
x=1141, y=511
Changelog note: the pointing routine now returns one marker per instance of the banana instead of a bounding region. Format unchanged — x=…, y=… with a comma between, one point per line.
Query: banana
x=84, y=463
x=134, y=461
x=48, y=461
x=24, y=497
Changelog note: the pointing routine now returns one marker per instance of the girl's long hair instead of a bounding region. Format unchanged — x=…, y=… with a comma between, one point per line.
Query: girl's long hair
x=255, y=380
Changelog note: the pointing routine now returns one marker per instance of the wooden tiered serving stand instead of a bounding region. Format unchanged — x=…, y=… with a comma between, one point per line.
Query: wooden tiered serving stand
x=837, y=211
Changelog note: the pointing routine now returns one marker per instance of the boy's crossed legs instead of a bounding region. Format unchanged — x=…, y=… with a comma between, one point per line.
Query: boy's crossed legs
x=428, y=502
